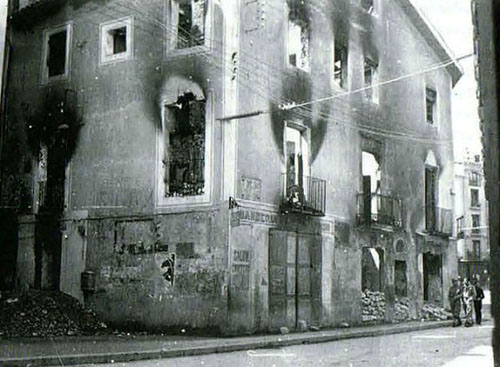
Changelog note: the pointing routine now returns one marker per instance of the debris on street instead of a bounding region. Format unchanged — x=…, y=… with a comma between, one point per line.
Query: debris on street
x=433, y=312
x=45, y=314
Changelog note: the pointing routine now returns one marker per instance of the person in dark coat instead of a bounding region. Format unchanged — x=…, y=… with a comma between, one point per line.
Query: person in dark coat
x=455, y=299
x=478, y=302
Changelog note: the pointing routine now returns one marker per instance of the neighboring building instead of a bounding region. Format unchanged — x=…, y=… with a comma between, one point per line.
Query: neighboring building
x=471, y=210
x=486, y=20
x=165, y=149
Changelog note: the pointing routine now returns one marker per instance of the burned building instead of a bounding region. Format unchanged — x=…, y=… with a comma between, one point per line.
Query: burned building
x=228, y=164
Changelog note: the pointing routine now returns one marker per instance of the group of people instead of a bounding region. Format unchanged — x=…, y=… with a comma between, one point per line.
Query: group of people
x=468, y=295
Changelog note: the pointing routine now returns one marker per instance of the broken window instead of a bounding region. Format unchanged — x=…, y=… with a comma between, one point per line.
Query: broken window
x=430, y=105
x=340, y=64
x=400, y=279
x=116, y=42
x=367, y=5
x=298, y=39
x=372, y=269
x=474, y=197
x=475, y=223
x=185, y=154
x=188, y=19
x=56, y=53
x=370, y=76
x=371, y=187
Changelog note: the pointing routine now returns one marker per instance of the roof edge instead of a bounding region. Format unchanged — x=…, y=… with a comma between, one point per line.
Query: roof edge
x=433, y=38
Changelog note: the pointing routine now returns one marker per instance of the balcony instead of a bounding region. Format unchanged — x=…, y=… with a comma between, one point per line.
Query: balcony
x=438, y=221
x=305, y=195
x=378, y=209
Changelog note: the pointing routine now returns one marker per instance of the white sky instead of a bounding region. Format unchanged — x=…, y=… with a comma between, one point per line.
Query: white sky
x=452, y=19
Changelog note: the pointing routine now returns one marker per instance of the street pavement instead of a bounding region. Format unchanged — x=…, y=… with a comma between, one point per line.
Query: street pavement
x=446, y=347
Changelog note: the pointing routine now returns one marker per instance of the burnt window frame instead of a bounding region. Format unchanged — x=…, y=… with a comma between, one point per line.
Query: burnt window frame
x=371, y=91
x=47, y=34
x=431, y=102
x=296, y=14
x=162, y=200
x=113, y=25
x=342, y=48
x=171, y=34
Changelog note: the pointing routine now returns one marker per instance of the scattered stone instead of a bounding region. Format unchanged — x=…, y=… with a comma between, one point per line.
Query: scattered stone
x=434, y=313
x=314, y=328
x=373, y=306
x=345, y=325
x=45, y=314
x=284, y=330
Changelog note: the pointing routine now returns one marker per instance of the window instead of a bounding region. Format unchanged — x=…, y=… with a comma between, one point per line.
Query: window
x=475, y=223
x=185, y=154
x=431, y=199
x=477, y=158
x=430, y=105
x=340, y=64
x=116, y=40
x=400, y=279
x=56, y=53
x=474, y=179
x=297, y=164
x=298, y=39
x=474, y=197
x=188, y=23
x=476, y=250
x=370, y=78
x=367, y=5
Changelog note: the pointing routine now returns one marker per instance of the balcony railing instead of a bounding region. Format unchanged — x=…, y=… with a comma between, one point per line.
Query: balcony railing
x=378, y=209
x=438, y=220
x=306, y=195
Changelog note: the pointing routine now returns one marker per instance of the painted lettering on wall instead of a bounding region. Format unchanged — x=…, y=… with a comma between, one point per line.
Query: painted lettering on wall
x=250, y=215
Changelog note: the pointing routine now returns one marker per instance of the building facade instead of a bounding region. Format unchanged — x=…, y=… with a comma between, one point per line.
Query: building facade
x=471, y=210
x=228, y=164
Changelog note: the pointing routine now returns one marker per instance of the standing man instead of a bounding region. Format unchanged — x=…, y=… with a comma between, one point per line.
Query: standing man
x=478, y=301
x=454, y=297
x=469, y=295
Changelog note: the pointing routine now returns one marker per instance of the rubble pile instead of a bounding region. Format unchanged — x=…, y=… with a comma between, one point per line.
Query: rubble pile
x=373, y=306
x=402, y=309
x=433, y=312
x=45, y=314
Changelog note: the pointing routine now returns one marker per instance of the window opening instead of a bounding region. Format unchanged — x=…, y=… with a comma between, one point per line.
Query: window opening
x=430, y=198
x=56, y=55
x=298, y=39
x=370, y=76
x=400, y=279
x=433, y=283
x=474, y=179
x=186, y=147
x=474, y=197
x=430, y=105
x=190, y=18
x=117, y=41
x=475, y=223
x=340, y=64
x=371, y=186
x=296, y=165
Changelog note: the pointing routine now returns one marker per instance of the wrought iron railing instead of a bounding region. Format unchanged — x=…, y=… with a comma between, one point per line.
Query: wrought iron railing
x=379, y=209
x=438, y=220
x=304, y=194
